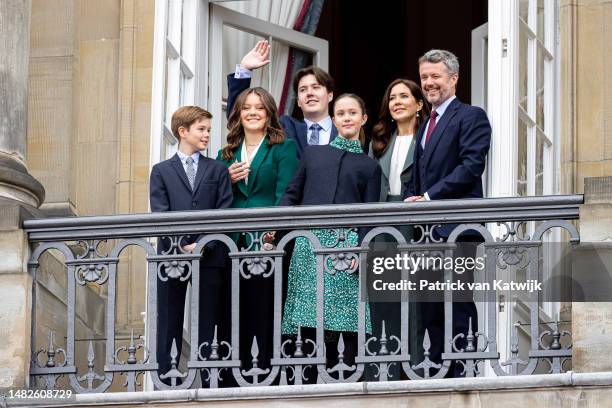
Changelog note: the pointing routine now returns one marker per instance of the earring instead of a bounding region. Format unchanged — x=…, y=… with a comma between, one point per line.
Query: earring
x=418, y=114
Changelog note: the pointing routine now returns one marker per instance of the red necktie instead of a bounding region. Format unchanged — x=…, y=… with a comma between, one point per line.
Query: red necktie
x=432, y=126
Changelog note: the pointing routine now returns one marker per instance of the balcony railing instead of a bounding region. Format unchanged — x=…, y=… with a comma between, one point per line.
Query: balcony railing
x=91, y=248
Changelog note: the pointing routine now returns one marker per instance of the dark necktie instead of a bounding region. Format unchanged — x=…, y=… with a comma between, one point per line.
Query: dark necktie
x=190, y=171
x=432, y=126
x=314, y=134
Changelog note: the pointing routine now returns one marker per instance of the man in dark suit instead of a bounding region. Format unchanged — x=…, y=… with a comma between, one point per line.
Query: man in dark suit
x=191, y=181
x=449, y=159
x=314, y=89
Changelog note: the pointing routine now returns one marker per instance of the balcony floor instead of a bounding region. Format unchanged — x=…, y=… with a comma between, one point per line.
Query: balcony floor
x=562, y=390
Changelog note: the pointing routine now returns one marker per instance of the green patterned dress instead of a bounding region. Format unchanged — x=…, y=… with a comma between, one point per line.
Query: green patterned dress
x=341, y=289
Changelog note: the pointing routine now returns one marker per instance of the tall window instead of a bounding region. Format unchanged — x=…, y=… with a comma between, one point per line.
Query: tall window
x=536, y=98
x=231, y=31
x=195, y=37
x=175, y=25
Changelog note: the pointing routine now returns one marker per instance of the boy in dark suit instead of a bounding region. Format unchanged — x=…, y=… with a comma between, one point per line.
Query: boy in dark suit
x=191, y=181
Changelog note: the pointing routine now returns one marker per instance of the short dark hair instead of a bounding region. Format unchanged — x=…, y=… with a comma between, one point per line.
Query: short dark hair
x=185, y=116
x=321, y=76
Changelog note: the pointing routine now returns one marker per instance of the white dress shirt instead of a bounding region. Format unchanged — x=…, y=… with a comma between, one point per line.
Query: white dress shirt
x=324, y=132
x=440, y=109
x=398, y=159
x=246, y=157
x=183, y=157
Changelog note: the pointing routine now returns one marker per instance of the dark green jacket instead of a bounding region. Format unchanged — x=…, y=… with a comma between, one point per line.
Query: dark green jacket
x=385, y=164
x=271, y=170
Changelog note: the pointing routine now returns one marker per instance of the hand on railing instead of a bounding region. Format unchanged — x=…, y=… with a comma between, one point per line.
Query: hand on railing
x=189, y=248
x=268, y=239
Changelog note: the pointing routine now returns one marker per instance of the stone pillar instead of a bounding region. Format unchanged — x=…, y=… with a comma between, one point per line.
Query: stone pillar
x=15, y=181
x=20, y=194
x=592, y=321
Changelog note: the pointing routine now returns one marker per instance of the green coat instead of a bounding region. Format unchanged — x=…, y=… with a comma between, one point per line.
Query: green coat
x=272, y=169
x=385, y=164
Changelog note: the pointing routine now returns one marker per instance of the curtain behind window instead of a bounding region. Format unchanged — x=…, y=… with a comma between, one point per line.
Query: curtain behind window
x=281, y=12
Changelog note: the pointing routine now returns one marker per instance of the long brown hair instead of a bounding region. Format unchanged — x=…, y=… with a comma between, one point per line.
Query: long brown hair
x=361, y=104
x=235, y=134
x=381, y=133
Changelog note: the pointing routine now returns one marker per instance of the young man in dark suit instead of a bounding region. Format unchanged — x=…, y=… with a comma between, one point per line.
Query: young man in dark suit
x=191, y=181
x=313, y=87
x=449, y=159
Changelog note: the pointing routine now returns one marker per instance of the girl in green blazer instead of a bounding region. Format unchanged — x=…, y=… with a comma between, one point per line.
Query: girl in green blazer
x=261, y=162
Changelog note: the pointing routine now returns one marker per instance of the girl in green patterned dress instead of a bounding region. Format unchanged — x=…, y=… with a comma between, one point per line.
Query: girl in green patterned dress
x=338, y=173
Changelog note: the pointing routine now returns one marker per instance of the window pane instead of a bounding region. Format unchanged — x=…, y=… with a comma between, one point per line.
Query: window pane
x=182, y=89
x=183, y=11
x=521, y=186
x=523, y=63
x=540, y=88
x=539, y=181
x=169, y=144
x=540, y=31
x=165, y=96
x=168, y=16
x=174, y=21
x=236, y=43
x=223, y=125
x=524, y=10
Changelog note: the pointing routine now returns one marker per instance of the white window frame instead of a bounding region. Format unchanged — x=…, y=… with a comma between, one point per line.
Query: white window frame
x=220, y=16
x=503, y=109
x=178, y=69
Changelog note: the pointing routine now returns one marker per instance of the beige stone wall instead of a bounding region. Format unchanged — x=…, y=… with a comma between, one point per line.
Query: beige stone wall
x=586, y=92
x=132, y=187
x=73, y=103
x=90, y=102
x=89, y=133
x=16, y=301
x=592, y=321
x=50, y=103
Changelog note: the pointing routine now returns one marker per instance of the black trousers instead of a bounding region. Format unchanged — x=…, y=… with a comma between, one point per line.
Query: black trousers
x=432, y=315
x=214, y=309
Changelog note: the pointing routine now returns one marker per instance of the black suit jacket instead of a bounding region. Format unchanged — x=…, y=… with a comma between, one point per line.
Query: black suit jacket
x=294, y=128
x=328, y=175
x=170, y=191
x=452, y=163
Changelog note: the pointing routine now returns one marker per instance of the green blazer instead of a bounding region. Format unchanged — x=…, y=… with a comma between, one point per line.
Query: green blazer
x=272, y=169
x=385, y=164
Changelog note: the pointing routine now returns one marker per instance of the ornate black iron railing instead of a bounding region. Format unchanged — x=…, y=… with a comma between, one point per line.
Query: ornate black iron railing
x=80, y=240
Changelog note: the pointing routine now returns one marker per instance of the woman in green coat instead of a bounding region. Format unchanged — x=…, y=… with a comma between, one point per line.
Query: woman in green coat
x=261, y=162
